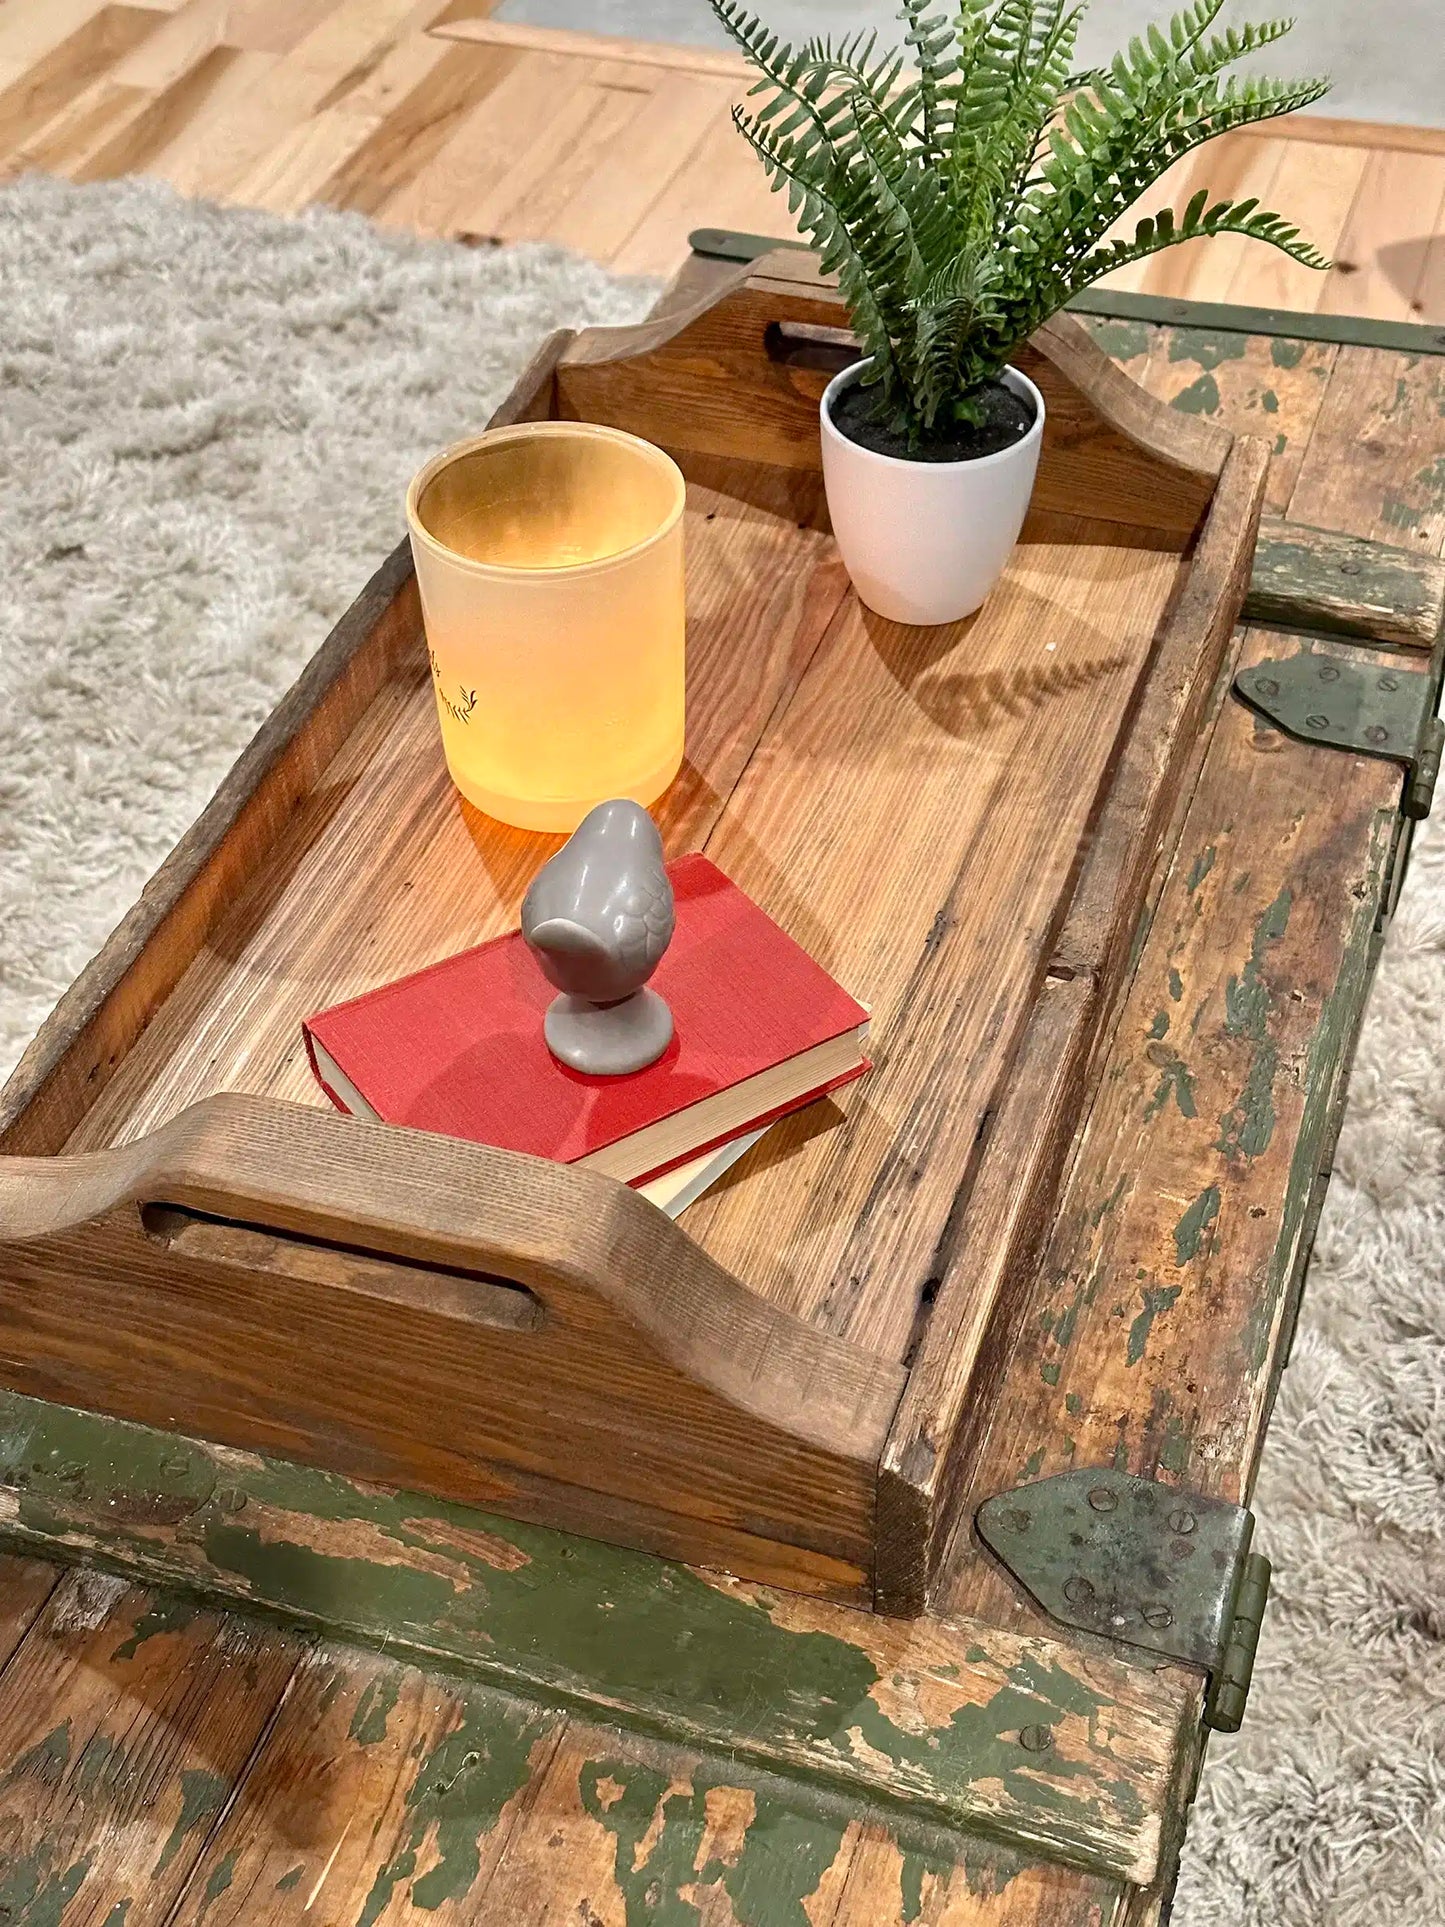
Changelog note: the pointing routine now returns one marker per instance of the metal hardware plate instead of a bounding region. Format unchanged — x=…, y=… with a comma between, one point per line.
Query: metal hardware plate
x=1127, y=1558
x=1365, y=707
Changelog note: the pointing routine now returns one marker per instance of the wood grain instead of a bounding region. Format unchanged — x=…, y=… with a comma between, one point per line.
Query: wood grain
x=126, y=1718
x=1318, y=579
x=987, y=1254
x=1152, y=1333
x=634, y=1387
x=759, y=1370
x=25, y=1585
x=704, y=382
x=1374, y=466
x=380, y=1794
x=922, y=1718
x=1380, y=255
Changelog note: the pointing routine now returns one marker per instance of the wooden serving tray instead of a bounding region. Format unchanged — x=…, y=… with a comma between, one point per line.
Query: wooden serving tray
x=959, y=823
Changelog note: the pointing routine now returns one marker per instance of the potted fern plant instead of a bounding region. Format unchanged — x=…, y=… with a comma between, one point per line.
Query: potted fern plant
x=963, y=188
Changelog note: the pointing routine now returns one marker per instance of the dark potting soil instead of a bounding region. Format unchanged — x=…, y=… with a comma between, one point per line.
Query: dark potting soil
x=1007, y=418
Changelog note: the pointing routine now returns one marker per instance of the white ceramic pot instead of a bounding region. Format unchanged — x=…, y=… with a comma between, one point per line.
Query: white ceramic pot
x=925, y=541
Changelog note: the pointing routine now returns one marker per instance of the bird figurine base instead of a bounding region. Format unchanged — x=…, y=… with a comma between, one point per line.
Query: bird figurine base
x=597, y=918
x=608, y=1040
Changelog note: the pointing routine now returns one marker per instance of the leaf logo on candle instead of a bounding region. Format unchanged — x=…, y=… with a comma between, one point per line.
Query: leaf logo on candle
x=459, y=708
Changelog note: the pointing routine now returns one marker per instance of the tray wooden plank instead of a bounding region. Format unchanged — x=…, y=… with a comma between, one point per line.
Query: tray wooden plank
x=384, y=867
x=978, y=750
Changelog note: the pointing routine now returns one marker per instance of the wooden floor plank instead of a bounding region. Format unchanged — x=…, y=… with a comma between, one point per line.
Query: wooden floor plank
x=126, y=1719
x=450, y=81
x=594, y=116
x=37, y=95
x=31, y=34
x=1380, y=257
x=344, y=43
x=324, y=147
x=1240, y=169
x=524, y=38
x=1314, y=185
x=441, y=199
x=630, y=177
x=724, y=186
x=115, y=123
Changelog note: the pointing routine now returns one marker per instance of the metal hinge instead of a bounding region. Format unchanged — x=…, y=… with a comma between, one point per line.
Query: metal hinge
x=1146, y=1564
x=1375, y=711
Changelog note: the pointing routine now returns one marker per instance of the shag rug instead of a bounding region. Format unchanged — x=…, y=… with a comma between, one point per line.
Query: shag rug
x=207, y=421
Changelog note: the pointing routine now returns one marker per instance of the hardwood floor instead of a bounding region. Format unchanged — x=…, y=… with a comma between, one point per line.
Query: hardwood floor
x=428, y=115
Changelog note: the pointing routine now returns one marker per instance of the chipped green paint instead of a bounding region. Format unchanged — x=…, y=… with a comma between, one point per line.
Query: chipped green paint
x=375, y=1707
x=1174, y=1446
x=1433, y=477
x=102, y=1762
x=1033, y=1464
x=289, y=1879
x=46, y=1761
x=203, y=1794
x=1287, y=354
x=1159, y=1025
x=168, y=1613
x=1199, y=869
x=1176, y=985
x=1269, y=402
x=564, y=1620
x=1121, y=340
x=1207, y=347
x=117, y=1915
x=1199, y=398
x=1328, y=1059
x=34, y=1893
x=1176, y=1081
x=1190, y=1230
x=1156, y=1298
x=1246, y=997
x=1246, y=1128
x=1049, y=1372
x=1073, y=1405
x=456, y=1800
x=1281, y=442
x=222, y=1874
x=785, y=1851
x=1097, y=1216
x=1398, y=514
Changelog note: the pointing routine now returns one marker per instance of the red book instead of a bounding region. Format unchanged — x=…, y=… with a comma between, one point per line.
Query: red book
x=760, y=1030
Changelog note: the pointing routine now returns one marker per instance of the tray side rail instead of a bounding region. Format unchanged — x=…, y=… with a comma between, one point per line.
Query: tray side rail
x=448, y=1317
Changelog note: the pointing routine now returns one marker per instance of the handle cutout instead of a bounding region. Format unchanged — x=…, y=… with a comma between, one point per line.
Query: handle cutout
x=802, y=344
x=478, y=1298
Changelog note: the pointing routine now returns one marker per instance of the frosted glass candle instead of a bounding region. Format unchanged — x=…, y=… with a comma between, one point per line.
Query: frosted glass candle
x=549, y=558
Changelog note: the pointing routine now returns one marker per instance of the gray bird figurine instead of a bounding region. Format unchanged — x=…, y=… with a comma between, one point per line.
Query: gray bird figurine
x=597, y=918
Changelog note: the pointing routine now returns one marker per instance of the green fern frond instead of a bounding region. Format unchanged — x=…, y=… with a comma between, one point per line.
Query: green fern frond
x=965, y=185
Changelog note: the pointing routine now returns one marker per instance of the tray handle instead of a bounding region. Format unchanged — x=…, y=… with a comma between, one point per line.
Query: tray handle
x=448, y=1317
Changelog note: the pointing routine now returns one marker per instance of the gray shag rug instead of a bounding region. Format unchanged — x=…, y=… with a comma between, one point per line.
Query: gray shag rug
x=207, y=420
